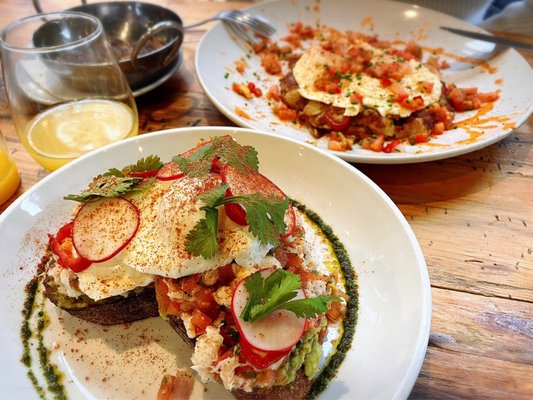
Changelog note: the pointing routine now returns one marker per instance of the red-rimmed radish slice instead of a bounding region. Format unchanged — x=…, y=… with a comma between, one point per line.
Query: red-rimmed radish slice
x=145, y=174
x=169, y=172
x=250, y=182
x=104, y=227
x=271, y=338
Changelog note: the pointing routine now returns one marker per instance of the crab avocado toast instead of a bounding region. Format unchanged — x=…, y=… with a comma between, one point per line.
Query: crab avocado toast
x=259, y=320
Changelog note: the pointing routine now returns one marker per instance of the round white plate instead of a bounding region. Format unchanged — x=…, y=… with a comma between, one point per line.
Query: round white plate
x=513, y=77
x=128, y=362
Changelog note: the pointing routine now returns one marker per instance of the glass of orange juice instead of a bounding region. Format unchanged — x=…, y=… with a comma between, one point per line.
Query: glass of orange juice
x=66, y=91
x=9, y=174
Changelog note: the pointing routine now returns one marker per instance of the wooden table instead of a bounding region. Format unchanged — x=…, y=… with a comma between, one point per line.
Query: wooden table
x=472, y=214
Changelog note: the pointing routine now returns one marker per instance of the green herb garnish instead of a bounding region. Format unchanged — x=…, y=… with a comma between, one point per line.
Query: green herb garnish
x=264, y=214
x=277, y=292
x=116, y=182
x=226, y=149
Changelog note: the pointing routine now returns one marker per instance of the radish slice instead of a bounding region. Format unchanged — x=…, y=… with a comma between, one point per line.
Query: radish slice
x=252, y=182
x=277, y=332
x=169, y=171
x=102, y=228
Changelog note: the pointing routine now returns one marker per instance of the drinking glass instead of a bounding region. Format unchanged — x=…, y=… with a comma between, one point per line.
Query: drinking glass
x=9, y=174
x=66, y=92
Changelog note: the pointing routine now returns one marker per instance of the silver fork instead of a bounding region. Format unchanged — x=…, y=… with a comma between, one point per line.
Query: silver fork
x=241, y=20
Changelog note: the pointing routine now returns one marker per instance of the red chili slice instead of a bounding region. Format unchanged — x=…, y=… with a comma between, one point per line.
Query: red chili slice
x=62, y=246
x=234, y=211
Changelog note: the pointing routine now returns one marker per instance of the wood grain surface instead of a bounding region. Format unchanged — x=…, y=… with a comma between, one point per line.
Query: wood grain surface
x=472, y=214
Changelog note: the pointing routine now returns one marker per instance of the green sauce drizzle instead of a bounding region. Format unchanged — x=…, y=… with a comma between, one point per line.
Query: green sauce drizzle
x=350, y=318
x=50, y=372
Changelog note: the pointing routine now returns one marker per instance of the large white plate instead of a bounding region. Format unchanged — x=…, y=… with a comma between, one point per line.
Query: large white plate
x=128, y=362
x=218, y=51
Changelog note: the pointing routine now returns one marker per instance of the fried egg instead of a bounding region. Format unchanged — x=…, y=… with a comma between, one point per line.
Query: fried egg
x=311, y=66
x=168, y=214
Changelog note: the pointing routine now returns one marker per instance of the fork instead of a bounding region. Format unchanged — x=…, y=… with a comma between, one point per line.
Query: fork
x=241, y=20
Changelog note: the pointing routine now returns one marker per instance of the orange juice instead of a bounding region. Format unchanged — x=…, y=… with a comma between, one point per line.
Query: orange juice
x=65, y=132
x=9, y=177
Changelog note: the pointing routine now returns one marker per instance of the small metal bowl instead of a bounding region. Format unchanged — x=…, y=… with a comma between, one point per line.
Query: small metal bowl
x=145, y=38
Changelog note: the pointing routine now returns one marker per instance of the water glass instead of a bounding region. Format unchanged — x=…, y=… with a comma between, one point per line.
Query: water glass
x=66, y=91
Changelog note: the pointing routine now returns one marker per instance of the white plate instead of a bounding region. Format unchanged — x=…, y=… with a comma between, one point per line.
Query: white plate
x=117, y=362
x=218, y=51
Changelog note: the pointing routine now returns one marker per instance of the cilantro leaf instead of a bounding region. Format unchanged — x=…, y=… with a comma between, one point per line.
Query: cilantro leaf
x=202, y=239
x=238, y=156
x=225, y=148
x=116, y=182
x=149, y=163
x=277, y=292
x=105, y=186
x=264, y=214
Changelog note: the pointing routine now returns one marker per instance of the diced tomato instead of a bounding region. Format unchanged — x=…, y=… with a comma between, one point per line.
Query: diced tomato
x=271, y=63
x=242, y=90
x=400, y=94
x=426, y=86
x=166, y=306
x=177, y=387
x=373, y=143
x=62, y=246
x=254, y=89
x=337, y=122
x=414, y=49
x=356, y=98
x=416, y=103
x=200, y=321
x=335, y=145
x=488, y=97
x=285, y=113
x=438, y=129
x=190, y=284
x=420, y=138
x=335, y=311
x=385, y=82
x=389, y=147
x=273, y=93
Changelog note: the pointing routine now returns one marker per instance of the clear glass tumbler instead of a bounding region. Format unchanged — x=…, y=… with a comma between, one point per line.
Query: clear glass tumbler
x=9, y=174
x=66, y=92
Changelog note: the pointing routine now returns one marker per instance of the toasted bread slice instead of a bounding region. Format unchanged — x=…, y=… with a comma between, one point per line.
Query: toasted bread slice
x=139, y=304
x=298, y=389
